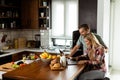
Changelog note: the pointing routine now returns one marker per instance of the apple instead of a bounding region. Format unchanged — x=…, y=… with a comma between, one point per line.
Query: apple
x=32, y=57
x=12, y=62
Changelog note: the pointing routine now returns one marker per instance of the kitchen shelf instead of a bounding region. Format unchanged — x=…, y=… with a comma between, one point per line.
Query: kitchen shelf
x=10, y=14
x=43, y=6
x=44, y=20
x=43, y=17
x=7, y=6
x=9, y=17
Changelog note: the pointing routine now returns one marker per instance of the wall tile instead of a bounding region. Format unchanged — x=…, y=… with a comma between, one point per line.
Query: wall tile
x=28, y=34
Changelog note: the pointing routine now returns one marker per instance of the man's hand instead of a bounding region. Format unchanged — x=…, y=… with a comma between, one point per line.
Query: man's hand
x=68, y=56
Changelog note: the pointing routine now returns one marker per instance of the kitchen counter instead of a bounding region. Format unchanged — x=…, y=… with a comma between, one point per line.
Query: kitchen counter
x=38, y=70
x=14, y=51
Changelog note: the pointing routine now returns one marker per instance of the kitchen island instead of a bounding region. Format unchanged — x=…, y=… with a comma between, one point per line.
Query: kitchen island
x=41, y=71
x=15, y=53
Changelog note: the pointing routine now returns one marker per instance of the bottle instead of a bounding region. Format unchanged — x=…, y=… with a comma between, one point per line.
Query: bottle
x=63, y=61
x=3, y=25
x=11, y=24
x=14, y=24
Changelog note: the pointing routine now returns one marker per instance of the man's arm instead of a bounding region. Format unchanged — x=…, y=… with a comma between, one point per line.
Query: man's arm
x=75, y=48
x=101, y=41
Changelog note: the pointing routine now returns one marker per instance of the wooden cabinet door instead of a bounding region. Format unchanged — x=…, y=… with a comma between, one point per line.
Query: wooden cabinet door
x=88, y=13
x=29, y=14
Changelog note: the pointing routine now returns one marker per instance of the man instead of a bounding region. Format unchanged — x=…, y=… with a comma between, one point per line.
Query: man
x=75, y=38
x=84, y=29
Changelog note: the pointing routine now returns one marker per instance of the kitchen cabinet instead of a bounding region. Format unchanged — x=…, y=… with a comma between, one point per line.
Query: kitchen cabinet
x=44, y=14
x=31, y=11
x=5, y=59
x=19, y=56
x=24, y=14
x=29, y=14
x=9, y=14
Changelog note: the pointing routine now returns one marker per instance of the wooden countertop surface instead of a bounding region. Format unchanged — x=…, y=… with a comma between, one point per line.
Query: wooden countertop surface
x=41, y=71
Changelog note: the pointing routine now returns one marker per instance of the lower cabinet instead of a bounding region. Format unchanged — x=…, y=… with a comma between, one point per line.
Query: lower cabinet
x=5, y=59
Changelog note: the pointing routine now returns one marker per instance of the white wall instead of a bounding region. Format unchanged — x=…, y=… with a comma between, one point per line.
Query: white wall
x=103, y=16
x=116, y=34
x=110, y=31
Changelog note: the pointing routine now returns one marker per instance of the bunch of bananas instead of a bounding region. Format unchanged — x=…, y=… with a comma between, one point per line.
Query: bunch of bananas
x=45, y=55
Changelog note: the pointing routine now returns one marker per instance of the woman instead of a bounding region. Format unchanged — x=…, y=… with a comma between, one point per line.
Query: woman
x=95, y=66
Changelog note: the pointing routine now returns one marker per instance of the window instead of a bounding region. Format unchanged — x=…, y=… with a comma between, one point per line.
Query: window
x=64, y=18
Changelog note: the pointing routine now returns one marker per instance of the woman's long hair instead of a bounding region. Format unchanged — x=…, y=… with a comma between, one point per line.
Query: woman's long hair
x=93, y=45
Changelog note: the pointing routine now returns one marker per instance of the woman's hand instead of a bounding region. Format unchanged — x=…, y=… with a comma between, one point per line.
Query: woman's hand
x=83, y=62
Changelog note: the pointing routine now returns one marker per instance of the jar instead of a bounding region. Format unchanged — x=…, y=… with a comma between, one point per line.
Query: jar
x=63, y=61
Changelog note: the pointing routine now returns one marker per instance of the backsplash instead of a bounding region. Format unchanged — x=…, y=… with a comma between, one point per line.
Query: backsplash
x=28, y=34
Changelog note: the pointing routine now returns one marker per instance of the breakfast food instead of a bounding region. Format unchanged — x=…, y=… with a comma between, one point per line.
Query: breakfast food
x=57, y=65
x=54, y=56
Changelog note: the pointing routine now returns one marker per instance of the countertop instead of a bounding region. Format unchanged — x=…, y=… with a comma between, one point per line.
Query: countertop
x=42, y=71
x=14, y=51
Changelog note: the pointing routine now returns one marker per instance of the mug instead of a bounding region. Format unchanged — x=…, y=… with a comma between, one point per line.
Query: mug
x=44, y=3
x=42, y=14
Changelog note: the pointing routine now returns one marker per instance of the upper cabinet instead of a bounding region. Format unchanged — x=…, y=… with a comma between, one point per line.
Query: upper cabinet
x=35, y=14
x=44, y=14
x=29, y=14
x=25, y=14
x=9, y=14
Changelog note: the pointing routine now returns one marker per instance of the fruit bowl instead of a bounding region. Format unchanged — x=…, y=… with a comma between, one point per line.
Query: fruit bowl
x=45, y=60
x=45, y=57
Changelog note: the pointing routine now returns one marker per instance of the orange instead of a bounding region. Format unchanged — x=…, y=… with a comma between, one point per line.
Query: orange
x=43, y=56
x=54, y=56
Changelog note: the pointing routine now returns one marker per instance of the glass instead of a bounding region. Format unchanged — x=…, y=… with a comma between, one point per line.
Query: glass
x=23, y=57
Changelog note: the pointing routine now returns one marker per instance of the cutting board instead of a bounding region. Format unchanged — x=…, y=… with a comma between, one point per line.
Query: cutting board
x=6, y=67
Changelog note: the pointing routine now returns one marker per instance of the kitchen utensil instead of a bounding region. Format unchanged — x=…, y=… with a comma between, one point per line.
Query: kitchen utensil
x=37, y=41
x=3, y=38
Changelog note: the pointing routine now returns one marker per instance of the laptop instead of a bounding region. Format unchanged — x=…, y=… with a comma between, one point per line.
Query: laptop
x=71, y=62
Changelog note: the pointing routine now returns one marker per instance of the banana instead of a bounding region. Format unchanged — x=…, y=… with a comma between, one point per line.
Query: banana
x=49, y=57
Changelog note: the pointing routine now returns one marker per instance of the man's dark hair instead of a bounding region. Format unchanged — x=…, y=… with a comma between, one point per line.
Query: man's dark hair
x=85, y=26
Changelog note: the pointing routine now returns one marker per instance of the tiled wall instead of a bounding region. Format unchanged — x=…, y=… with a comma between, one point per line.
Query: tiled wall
x=28, y=34
x=45, y=38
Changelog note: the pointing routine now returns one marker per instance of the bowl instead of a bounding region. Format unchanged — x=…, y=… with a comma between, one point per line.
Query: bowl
x=45, y=60
x=28, y=61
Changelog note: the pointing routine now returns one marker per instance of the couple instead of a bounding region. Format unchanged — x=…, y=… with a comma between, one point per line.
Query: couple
x=94, y=49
